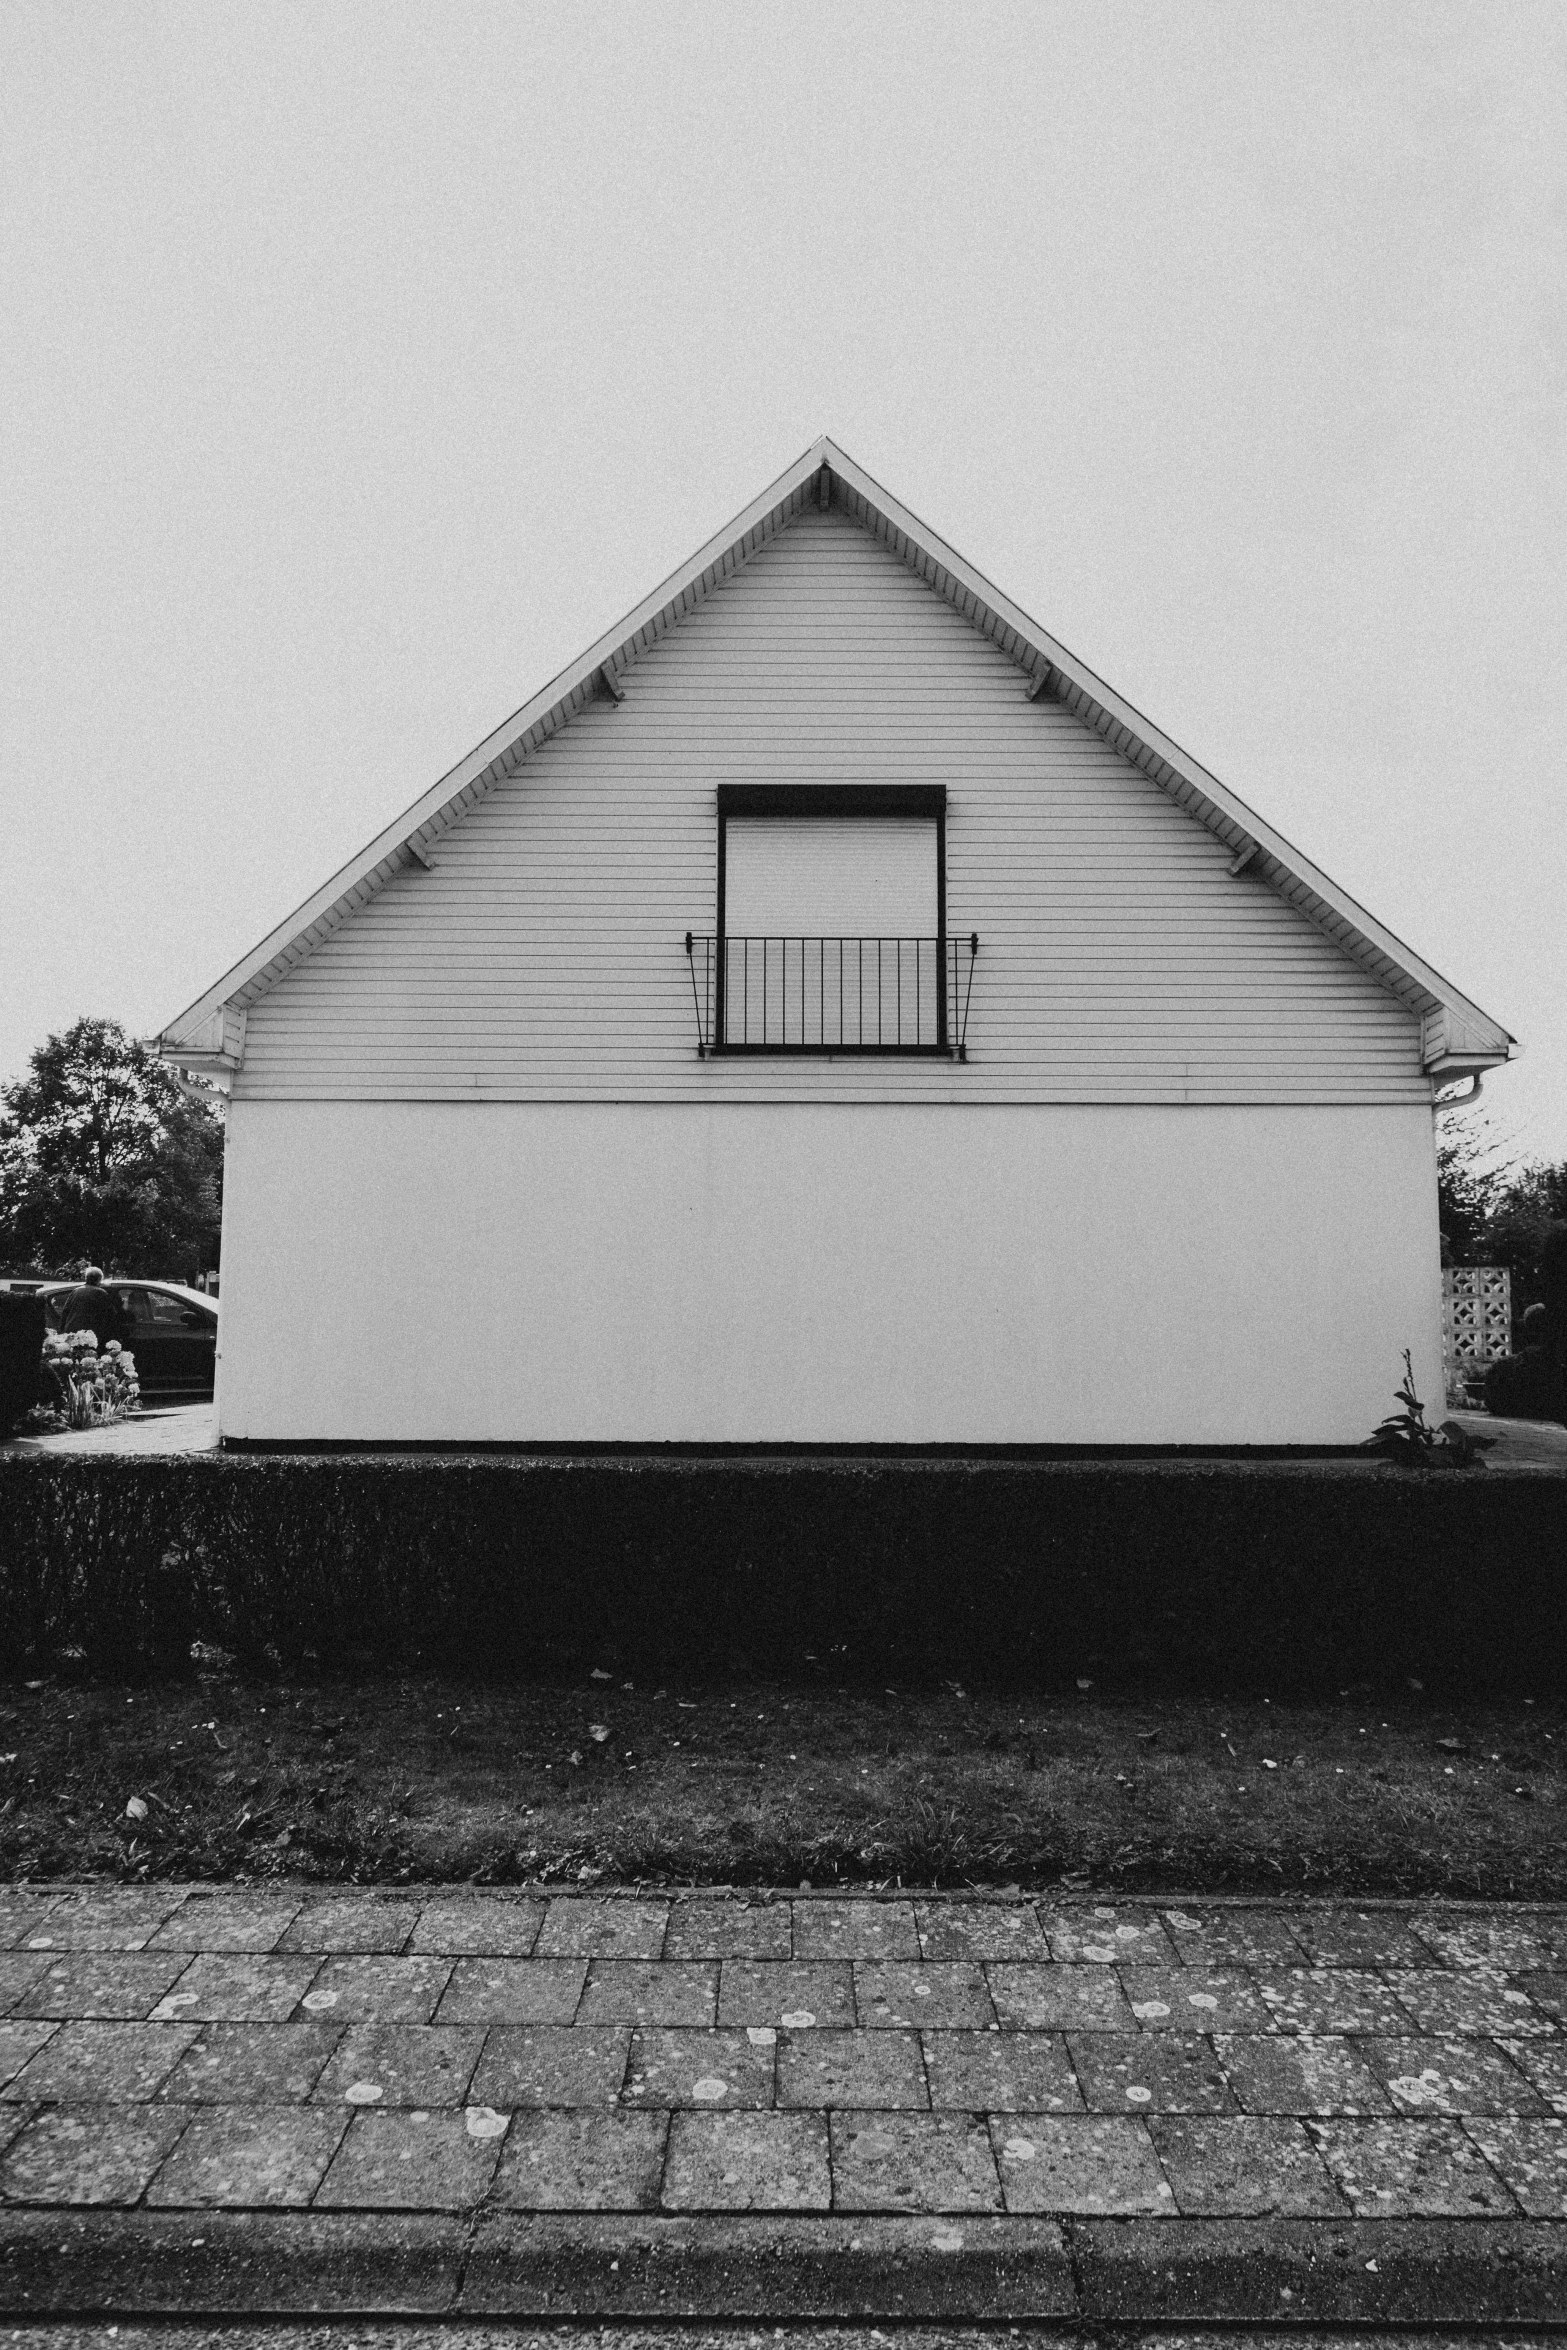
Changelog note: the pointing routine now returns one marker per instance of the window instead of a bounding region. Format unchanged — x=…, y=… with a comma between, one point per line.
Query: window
x=831, y=920
x=171, y=1313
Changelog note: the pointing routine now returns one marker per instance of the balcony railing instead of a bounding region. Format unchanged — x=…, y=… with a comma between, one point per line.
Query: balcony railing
x=832, y=995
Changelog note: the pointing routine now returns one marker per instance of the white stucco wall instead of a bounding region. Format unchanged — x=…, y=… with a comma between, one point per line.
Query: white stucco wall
x=776, y=1273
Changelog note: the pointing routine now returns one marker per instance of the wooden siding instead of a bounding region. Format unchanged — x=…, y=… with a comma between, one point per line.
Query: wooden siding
x=541, y=958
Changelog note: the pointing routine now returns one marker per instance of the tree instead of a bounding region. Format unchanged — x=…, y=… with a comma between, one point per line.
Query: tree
x=1471, y=1174
x=107, y=1157
x=1495, y=1210
x=1527, y=1210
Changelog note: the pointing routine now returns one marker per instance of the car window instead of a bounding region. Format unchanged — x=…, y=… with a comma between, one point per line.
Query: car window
x=164, y=1309
x=130, y=1302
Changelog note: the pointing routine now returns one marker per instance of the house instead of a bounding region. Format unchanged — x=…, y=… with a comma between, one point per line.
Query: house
x=828, y=1015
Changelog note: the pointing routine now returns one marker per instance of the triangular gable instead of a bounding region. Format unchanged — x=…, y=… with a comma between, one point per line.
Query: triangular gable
x=1457, y=1036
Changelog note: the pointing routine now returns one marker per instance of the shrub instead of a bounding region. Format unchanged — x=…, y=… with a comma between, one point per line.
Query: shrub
x=86, y=1386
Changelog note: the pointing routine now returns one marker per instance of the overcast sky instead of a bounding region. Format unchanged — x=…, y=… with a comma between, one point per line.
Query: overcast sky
x=363, y=361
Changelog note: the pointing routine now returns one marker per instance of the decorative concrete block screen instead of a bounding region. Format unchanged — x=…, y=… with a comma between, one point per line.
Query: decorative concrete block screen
x=1477, y=1322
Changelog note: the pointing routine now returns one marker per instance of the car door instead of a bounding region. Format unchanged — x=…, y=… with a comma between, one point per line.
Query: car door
x=184, y=1339
x=145, y=1339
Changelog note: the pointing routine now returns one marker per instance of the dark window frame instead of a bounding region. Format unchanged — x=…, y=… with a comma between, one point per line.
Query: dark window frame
x=927, y=801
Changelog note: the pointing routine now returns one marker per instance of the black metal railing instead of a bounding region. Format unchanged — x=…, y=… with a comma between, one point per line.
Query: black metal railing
x=832, y=995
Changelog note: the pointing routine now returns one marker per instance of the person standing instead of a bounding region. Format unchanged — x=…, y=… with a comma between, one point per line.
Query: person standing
x=92, y=1307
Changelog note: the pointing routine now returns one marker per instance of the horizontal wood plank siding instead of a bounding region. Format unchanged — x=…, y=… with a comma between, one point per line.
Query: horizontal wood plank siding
x=541, y=958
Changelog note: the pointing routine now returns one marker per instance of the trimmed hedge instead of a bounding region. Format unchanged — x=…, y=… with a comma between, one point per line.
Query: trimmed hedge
x=1272, y=1576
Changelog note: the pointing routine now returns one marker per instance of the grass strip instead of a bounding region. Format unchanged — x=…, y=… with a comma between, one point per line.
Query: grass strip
x=595, y=1781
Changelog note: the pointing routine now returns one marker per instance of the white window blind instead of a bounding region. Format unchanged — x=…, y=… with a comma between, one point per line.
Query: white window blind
x=830, y=877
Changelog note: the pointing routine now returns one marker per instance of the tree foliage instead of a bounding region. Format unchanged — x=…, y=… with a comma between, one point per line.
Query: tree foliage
x=1495, y=1210
x=107, y=1158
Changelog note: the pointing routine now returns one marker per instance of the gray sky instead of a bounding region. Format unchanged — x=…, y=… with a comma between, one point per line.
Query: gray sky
x=363, y=362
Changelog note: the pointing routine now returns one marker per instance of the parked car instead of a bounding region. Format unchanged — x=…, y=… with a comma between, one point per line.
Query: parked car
x=173, y=1333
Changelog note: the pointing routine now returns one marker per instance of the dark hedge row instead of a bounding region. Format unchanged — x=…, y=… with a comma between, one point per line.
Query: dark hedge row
x=1271, y=1576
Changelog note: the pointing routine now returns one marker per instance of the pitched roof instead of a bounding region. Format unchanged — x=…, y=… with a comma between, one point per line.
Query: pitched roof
x=1457, y=1036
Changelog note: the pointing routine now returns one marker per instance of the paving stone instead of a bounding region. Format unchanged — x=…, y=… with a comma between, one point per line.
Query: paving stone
x=949, y=1997
x=552, y=2064
x=1239, y=2166
x=582, y=2162
x=513, y=1991
x=22, y=1914
x=91, y=1983
x=13, y=2120
x=1330, y=2000
x=855, y=1929
x=230, y=1989
x=413, y=2161
x=1102, y=1935
x=1450, y=2076
x=851, y=2069
x=1409, y=2169
x=1057, y=1998
x=355, y=1923
x=912, y=2162
x=640, y=1991
x=253, y=2064
x=1233, y=1937
x=1149, y=2072
x=799, y=1995
x=1078, y=2162
x=1510, y=1945
x=118, y=1918
x=978, y=1929
x=702, y=2068
x=730, y=1929
x=227, y=1921
x=1544, y=1991
x=1440, y=2001
x=1531, y=2157
x=378, y=1990
x=19, y=2043
x=1307, y=2072
x=747, y=2162
x=1002, y=2072
x=250, y=2155
x=403, y=2064
x=19, y=1971
x=103, y=2064
x=1359, y=1938
x=90, y=2153
x=1193, y=1999
x=479, y=1926
x=580, y=1928
x=1544, y=2064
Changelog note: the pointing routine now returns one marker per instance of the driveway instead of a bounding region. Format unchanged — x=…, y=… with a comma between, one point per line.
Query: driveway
x=1539, y=1443
x=166, y=1428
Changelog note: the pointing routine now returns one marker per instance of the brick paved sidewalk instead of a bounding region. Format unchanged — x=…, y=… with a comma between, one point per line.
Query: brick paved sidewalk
x=486, y=2058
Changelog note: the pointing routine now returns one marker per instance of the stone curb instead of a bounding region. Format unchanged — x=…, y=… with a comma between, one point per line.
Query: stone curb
x=203, y=2263
x=1100, y=2272
x=764, y=2267
x=1447, y=2272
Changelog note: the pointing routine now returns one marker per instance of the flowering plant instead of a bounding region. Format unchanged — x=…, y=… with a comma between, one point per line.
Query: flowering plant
x=87, y=1385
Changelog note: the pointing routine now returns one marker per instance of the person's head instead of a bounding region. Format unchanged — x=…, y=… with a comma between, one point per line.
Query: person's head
x=92, y=1275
